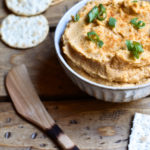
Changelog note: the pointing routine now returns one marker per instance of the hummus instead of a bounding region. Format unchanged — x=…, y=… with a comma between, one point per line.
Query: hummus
x=112, y=64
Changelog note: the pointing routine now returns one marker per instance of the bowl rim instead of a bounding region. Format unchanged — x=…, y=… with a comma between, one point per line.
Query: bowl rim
x=62, y=59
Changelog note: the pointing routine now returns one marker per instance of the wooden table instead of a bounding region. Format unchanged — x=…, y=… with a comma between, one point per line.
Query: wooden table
x=92, y=124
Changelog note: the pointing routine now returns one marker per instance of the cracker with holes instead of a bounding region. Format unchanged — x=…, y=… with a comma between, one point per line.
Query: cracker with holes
x=140, y=136
x=24, y=32
x=27, y=7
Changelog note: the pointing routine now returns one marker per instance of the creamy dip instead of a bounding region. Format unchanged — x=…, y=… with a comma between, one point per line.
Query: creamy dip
x=112, y=64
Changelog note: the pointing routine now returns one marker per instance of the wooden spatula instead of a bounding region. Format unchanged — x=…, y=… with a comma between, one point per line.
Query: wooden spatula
x=29, y=106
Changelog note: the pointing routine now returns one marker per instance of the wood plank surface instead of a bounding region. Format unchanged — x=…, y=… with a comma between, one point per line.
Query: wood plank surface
x=92, y=125
x=45, y=71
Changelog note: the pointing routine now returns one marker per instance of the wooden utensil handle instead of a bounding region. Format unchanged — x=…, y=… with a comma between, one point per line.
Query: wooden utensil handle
x=56, y=134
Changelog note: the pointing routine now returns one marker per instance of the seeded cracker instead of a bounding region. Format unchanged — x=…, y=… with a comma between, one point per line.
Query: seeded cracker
x=140, y=136
x=27, y=7
x=24, y=32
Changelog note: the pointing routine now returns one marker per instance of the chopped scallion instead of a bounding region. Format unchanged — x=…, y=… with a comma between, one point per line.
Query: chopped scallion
x=112, y=22
x=93, y=36
x=76, y=17
x=137, y=24
x=135, y=48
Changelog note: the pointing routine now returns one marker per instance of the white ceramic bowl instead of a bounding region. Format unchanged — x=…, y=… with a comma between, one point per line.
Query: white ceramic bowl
x=106, y=93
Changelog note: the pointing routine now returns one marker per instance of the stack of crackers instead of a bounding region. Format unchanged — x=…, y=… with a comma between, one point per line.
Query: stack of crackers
x=26, y=27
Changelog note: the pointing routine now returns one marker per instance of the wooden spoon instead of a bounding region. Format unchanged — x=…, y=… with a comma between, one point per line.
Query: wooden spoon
x=29, y=106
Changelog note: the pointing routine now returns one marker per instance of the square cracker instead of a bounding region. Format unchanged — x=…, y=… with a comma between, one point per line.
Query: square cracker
x=140, y=133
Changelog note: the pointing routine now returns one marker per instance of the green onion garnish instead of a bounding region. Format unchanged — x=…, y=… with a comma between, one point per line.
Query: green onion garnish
x=97, y=13
x=135, y=48
x=93, y=36
x=112, y=22
x=93, y=14
x=100, y=43
x=102, y=14
x=76, y=17
x=137, y=24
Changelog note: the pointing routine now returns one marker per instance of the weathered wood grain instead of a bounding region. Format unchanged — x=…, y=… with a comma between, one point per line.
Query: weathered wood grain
x=92, y=125
x=45, y=71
